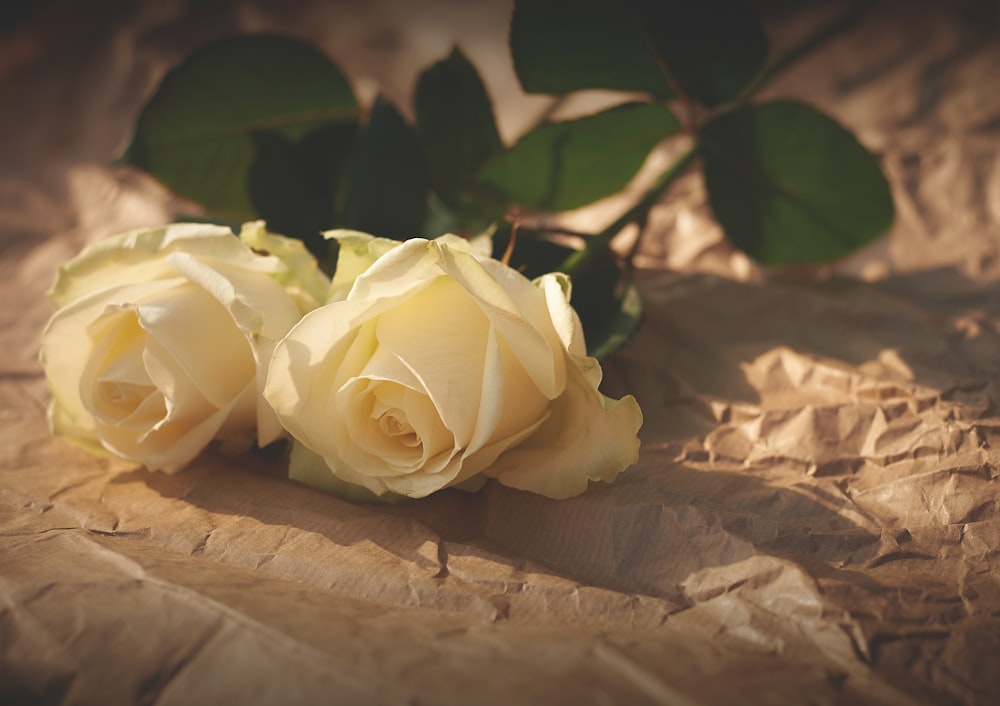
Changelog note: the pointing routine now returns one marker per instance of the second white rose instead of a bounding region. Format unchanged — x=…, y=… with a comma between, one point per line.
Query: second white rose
x=441, y=364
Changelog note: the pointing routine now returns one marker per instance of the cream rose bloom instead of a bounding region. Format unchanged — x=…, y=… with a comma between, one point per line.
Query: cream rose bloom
x=162, y=337
x=439, y=364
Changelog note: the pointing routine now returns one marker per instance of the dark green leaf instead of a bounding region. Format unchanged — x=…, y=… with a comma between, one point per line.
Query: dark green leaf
x=442, y=218
x=458, y=133
x=560, y=47
x=388, y=192
x=609, y=313
x=560, y=166
x=293, y=185
x=791, y=186
x=713, y=48
x=454, y=121
x=439, y=219
x=195, y=134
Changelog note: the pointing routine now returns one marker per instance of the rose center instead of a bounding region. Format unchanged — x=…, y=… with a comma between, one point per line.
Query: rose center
x=123, y=396
x=394, y=423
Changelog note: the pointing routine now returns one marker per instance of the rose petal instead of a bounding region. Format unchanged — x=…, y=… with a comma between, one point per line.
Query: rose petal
x=351, y=426
x=400, y=272
x=66, y=348
x=485, y=457
x=115, y=384
x=201, y=340
x=166, y=446
x=588, y=437
x=445, y=353
x=377, y=362
x=510, y=400
x=369, y=408
x=172, y=422
x=358, y=251
x=260, y=307
x=305, y=364
x=412, y=485
x=131, y=258
x=301, y=377
x=518, y=310
x=556, y=288
x=308, y=467
x=183, y=400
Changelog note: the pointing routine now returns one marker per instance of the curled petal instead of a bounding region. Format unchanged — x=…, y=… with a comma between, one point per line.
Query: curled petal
x=587, y=437
x=358, y=252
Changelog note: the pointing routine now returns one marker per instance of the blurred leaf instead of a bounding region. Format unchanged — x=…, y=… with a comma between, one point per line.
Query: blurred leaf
x=293, y=185
x=559, y=48
x=791, y=186
x=474, y=207
x=610, y=313
x=195, y=134
x=454, y=121
x=441, y=219
x=560, y=166
x=458, y=133
x=388, y=191
x=713, y=48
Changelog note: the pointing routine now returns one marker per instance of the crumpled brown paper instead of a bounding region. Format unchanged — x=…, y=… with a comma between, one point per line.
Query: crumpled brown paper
x=814, y=517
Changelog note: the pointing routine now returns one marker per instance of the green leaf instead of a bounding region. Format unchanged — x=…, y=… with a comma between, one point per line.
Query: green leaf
x=560, y=166
x=791, y=186
x=196, y=134
x=713, y=48
x=559, y=48
x=293, y=185
x=610, y=309
x=454, y=121
x=609, y=312
x=388, y=193
x=441, y=219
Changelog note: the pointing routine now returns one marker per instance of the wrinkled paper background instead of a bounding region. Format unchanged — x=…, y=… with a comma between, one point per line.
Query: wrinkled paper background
x=814, y=517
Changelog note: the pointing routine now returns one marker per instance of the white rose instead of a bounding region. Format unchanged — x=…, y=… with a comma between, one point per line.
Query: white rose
x=161, y=339
x=441, y=364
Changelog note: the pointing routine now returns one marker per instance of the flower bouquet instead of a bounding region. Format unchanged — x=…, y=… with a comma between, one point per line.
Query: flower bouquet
x=435, y=337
